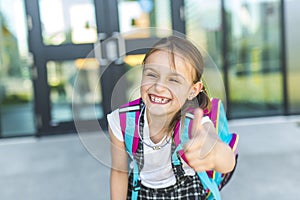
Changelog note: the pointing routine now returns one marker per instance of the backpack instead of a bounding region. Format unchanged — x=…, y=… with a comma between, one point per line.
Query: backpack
x=212, y=181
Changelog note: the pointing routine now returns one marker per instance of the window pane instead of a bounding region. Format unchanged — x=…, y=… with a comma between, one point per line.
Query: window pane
x=203, y=27
x=16, y=90
x=65, y=21
x=253, y=38
x=62, y=77
x=134, y=75
x=134, y=14
x=293, y=58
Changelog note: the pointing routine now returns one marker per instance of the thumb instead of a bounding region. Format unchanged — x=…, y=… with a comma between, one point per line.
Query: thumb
x=198, y=115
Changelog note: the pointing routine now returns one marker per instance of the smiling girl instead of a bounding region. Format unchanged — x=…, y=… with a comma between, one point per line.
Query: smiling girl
x=171, y=86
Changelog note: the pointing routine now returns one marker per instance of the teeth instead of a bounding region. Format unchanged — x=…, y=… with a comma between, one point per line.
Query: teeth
x=158, y=100
x=152, y=98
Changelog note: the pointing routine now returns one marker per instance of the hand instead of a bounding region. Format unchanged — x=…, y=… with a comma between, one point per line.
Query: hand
x=199, y=150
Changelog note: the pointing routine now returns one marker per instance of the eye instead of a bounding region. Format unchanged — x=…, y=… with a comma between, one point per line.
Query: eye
x=151, y=75
x=174, y=80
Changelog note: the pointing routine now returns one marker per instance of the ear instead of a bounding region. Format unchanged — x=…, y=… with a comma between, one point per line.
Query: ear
x=195, y=90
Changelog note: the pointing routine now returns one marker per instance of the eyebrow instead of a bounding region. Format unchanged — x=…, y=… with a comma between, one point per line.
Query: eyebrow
x=149, y=69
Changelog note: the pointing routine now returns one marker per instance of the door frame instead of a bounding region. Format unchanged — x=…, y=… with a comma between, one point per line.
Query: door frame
x=107, y=22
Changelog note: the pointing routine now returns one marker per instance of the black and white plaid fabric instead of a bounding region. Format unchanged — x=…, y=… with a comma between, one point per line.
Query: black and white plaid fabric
x=139, y=155
x=187, y=188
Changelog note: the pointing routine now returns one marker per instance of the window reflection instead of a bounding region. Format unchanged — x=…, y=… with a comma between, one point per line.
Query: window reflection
x=66, y=21
x=74, y=82
x=16, y=91
x=203, y=27
x=134, y=75
x=134, y=14
x=293, y=58
x=255, y=78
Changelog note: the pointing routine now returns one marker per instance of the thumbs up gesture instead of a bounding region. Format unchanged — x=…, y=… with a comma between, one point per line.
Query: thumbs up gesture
x=205, y=151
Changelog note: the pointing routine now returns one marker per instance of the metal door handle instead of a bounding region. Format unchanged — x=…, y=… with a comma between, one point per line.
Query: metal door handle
x=121, y=48
x=110, y=50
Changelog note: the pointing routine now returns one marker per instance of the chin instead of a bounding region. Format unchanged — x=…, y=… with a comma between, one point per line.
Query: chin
x=157, y=110
x=161, y=110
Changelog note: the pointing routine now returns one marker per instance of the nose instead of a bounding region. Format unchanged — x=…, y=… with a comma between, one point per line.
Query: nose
x=160, y=85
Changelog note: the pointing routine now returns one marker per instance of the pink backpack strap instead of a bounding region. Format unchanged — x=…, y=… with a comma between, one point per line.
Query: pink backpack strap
x=213, y=113
x=130, y=113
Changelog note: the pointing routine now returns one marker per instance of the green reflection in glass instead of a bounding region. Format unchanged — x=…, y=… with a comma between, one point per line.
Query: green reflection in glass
x=254, y=44
x=292, y=52
x=87, y=96
x=203, y=27
x=16, y=90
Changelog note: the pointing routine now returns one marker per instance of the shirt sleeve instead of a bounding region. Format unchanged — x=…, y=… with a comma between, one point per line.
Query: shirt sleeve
x=206, y=119
x=114, y=123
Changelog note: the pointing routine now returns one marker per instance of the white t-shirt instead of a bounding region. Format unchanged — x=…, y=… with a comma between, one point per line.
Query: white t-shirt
x=157, y=171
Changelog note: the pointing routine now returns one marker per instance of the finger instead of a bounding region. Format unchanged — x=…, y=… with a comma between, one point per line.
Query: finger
x=198, y=115
x=194, y=144
x=201, y=165
x=201, y=141
x=191, y=145
x=196, y=162
x=209, y=139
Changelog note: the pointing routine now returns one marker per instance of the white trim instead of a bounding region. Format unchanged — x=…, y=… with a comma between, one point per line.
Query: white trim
x=189, y=115
x=129, y=108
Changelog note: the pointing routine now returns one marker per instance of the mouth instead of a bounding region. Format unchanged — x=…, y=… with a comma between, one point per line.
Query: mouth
x=159, y=100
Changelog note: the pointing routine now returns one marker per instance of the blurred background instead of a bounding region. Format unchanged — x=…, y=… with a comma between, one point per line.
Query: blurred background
x=48, y=50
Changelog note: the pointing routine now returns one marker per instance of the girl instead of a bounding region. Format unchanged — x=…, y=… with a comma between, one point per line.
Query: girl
x=171, y=86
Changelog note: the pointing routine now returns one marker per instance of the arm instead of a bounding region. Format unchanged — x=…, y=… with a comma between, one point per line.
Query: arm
x=119, y=169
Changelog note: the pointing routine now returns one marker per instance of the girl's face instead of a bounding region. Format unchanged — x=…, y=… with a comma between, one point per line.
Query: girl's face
x=164, y=88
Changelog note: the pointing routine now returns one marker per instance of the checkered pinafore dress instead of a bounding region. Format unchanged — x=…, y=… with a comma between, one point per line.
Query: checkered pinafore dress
x=186, y=187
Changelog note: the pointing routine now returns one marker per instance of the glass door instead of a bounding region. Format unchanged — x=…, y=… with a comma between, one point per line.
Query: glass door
x=17, y=116
x=138, y=25
x=292, y=48
x=146, y=23
x=61, y=36
x=203, y=21
x=254, y=57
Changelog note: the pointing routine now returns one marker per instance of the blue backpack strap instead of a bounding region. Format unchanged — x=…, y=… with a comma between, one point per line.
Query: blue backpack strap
x=179, y=139
x=218, y=116
x=211, y=185
x=181, y=136
x=229, y=138
x=136, y=183
x=129, y=115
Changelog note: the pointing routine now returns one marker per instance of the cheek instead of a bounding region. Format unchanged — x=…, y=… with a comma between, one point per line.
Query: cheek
x=144, y=87
x=181, y=94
